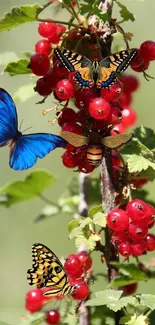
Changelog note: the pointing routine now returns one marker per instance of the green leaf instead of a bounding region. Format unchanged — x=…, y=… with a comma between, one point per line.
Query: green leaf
x=18, y=67
x=123, y=302
x=6, y=57
x=18, y=16
x=85, y=222
x=105, y=297
x=33, y=185
x=24, y=93
x=100, y=219
x=35, y=319
x=121, y=281
x=124, y=320
x=125, y=13
x=130, y=274
x=89, y=242
x=93, y=8
x=148, y=300
x=94, y=210
x=137, y=320
x=75, y=232
x=138, y=163
x=73, y=224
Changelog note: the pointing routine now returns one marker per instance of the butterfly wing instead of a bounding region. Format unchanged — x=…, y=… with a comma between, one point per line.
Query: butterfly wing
x=112, y=65
x=76, y=140
x=26, y=149
x=48, y=271
x=73, y=62
x=116, y=140
x=8, y=117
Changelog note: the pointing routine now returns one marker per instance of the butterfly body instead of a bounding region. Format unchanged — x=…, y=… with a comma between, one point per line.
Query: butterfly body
x=24, y=149
x=100, y=74
x=95, y=143
x=48, y=271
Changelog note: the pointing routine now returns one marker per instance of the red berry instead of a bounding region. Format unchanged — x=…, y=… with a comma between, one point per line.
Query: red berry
x=118, y=220
x=130, y=83
x=129, y=117
x=130, y=289
x=137, y=231
x=138, y=247
x=150, y=225
x=69, y=159
x=85, y=260
x=150, y=242
x=137, y=61
x=144, y=66
x=113, y=93
x=40, y=64
x=125, y=249
x=68, y=115
x=85, y=167
x=139, y=182
x=55, y=38
x=71, y=126
x=99, y=108
x=82, y=290
x=150, y=213
x=43, y=46
x=52, y=317
x=84, y=96
x=42, y=87
x=147, y=50
x=59, y=71
x=46, y=29
x=118, y=238
x=72, y=266
x=64, y=89
x=125, y=99
x=116, y=116
x=137, y=210
x=34, y=300
x=119, y=128
x=51, y=78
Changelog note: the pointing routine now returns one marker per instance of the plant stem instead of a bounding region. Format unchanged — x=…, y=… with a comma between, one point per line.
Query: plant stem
x=46, y=200
x=107, y=188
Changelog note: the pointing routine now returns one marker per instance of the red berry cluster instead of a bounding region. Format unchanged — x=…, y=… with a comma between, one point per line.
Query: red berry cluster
x=130, y=228
x=145, y=54
x=35, y=301
x=76, y=266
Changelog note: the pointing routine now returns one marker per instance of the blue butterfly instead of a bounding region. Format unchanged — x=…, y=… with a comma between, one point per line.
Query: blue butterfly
x=24, y=149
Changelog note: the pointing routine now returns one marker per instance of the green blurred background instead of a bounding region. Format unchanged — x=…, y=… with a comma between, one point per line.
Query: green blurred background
x=17, y=228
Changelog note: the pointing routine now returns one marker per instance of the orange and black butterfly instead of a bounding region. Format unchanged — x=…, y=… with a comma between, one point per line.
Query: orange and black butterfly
x=100, y=74
x=48, y=271
x=95, y=143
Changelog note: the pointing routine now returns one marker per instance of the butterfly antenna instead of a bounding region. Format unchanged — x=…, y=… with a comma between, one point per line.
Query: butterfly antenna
x=21, y=124
x=27, y=129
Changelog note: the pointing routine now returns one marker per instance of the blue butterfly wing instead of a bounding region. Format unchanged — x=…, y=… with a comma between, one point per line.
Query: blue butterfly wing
x=8, y=117
x=28, y=148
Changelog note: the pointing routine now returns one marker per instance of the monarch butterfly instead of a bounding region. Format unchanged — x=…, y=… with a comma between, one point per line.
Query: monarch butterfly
x=100, y=74
x=48, y=271
x=95, y=143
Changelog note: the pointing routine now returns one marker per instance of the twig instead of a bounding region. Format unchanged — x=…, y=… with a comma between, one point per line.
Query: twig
x=83, y=202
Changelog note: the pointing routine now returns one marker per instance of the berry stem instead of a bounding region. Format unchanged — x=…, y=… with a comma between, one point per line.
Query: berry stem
x=48, y=201
x=121, y=30
x=57, y=22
